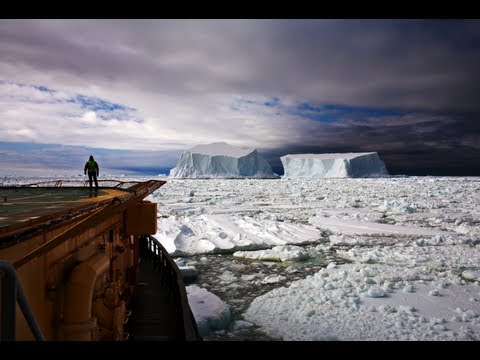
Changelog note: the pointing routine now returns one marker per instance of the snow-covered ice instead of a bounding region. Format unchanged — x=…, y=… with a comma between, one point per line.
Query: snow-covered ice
x=413, y=244
x=357, y=227
x=277, y=253
x=333, y=165
x=221, y=160
x=195, y=232
x=374, y=302
x=211, y=313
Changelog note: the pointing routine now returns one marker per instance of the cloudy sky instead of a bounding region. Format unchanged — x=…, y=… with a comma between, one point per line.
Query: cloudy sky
x=136, y=93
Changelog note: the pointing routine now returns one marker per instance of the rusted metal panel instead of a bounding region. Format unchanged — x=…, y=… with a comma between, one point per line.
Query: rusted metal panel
x=141, y=219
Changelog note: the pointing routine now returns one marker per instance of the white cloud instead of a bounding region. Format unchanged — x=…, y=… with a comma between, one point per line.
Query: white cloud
x=24, y=133
x=90, y=117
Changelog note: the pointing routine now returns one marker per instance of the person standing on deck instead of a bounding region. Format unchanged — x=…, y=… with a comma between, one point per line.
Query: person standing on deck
x=93, y=171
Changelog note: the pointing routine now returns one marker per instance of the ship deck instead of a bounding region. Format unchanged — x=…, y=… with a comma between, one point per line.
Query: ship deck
x=22, y=204
x=26, y=206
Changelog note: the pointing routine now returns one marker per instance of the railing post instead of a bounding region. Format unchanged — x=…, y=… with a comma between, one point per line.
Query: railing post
x=12, y=293
x=9, y=302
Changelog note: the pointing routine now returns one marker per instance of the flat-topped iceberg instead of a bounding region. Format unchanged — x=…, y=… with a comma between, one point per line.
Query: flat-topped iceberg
x=221, y=160
x=334, y=165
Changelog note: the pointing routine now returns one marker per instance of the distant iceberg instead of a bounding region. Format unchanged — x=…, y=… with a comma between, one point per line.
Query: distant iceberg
x=221, y=160
x=334, y=165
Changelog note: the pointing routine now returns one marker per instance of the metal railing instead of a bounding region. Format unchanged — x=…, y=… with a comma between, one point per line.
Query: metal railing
x=11, y=293
x=81, y=182
x=171, y=277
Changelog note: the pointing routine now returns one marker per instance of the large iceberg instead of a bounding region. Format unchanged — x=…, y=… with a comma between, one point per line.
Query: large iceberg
x=333, y=165
x=221, y=160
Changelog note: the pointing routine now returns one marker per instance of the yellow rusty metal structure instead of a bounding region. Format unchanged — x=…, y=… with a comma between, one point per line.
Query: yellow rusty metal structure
x=76, y=257
x=141, y=218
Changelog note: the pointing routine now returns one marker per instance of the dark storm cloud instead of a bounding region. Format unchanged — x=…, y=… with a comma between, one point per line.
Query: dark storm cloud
x=415, y=144
x=406, y=63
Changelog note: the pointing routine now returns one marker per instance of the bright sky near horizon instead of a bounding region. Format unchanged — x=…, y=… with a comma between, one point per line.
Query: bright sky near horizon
x=136, y=93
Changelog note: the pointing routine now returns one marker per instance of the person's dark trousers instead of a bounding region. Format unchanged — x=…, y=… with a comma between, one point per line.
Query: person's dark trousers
x=92, y=176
